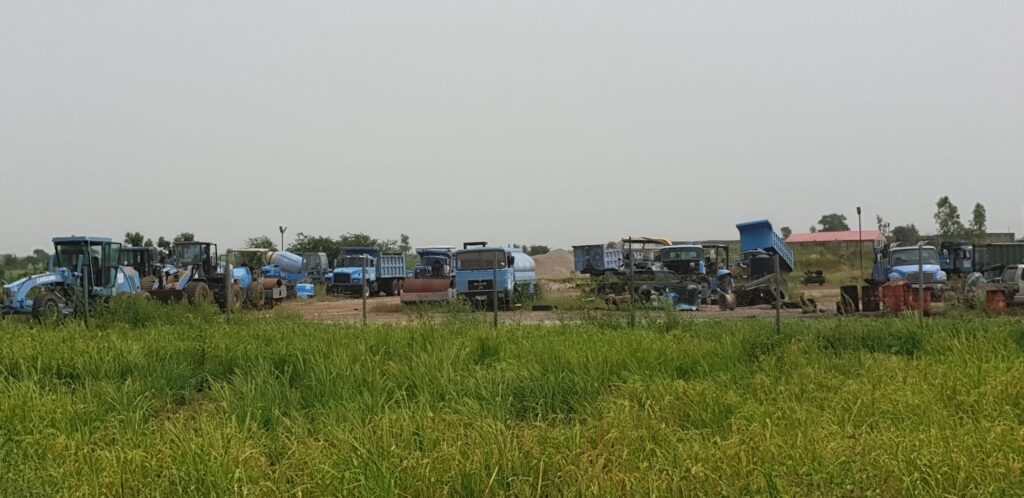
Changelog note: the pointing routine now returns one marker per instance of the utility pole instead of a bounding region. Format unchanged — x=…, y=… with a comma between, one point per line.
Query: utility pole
x=632, y=284
x=365, y=290
x=920, y=282
x=227, y=285
x=778, y=296
x=494, y=290
x=860, y=242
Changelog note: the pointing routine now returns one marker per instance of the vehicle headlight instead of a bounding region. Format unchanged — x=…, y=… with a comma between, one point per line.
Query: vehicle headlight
x=941, y=277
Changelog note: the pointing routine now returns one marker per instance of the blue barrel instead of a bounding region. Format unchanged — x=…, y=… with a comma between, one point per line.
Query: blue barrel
x=305, y=291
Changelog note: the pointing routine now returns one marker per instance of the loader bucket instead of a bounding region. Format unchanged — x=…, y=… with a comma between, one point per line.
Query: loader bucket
x=423, y=290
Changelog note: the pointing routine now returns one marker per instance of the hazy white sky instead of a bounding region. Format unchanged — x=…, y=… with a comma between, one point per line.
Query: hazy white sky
x=510, y=121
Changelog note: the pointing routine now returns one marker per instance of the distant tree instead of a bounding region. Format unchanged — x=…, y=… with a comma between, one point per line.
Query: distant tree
x=260, y=242
x=163, y=243
x=813, y=229
x=947, y=217
x=184, y=237
x=315, y=243
x=611, y=244
x=883, y=226
x=978, y=221
x=134, y=239
x=906, y=234
x=148, y=243
x=833, y=223
x=40, y=256
x=9, y=260
x=403, y=245
x=537, y=250
x=358, y=240
x=786, y=232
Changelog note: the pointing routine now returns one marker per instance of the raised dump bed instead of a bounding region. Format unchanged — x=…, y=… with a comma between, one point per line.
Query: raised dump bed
x=760, y=236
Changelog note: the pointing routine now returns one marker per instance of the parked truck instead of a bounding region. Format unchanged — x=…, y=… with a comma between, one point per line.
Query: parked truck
x=703, y=274
x=476, y=266
x=85, y=271
x=895, y=262
x=433, y=278
x=384, y=272
x=759, y=245
x=964, y=258
x=595, y=259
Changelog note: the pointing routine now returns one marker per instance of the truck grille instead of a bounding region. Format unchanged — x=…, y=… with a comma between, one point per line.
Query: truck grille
x=481, y=285
x=915, y=277
x=342, y=278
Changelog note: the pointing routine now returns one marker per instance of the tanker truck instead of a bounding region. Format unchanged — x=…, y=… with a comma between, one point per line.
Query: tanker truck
x=433, y=279
x=475, y=269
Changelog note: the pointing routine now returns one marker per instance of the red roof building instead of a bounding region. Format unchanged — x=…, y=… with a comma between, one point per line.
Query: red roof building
x=873, y=236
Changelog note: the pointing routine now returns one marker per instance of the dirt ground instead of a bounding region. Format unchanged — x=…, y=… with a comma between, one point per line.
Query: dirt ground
x=391, y=310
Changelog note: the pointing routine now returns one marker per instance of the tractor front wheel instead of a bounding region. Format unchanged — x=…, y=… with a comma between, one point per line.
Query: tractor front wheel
x=46, y=308
x=198, y=293
x=255, y=298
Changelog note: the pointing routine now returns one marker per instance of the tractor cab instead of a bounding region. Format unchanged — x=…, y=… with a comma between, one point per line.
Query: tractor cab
x=145, y=260
x=97, y=260
x=200, y=256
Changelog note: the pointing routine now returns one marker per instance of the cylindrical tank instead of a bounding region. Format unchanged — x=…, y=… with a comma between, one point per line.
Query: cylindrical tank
x=870, y=300
x=289, y=262
x=523, y=263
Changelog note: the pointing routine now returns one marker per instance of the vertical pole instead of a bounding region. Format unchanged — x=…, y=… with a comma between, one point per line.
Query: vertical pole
x=632, y=284
x=227, y=286
x=364, y=289
x=778, y=293
x=85, y=283
x=920, y=282
x=860, y=242
x=494, y=291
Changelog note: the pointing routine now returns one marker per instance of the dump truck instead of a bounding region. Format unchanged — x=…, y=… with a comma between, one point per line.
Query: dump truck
x=86, y=270
x=595, y=259
x=433, y=278
x=896, y=262
x=476, y=266
x=385, y=272
x=759, y=245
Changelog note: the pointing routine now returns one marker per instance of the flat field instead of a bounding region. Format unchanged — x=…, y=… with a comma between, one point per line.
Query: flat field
x=174, y=401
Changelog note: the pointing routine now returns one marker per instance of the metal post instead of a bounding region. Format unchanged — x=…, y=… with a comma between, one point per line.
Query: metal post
x=632, y=283
x=494, y=291
x=920, y=282
x=860, y=242
x=364, y=288
x=227, y=286
x=778, y=294
x=282, y=229
x=85, y=284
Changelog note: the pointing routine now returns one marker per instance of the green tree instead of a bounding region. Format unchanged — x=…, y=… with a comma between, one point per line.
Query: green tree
x=978, y=221
x=906, y=234
x=834, y=222
x=403, y=245
x=134, y=239
x=786, y=232
x=883, y=226
x=947, y=217
x=185, y=237
x=260, y=242
x=148, y=243
x=536, y=250
x=163, y=243
x=315, y=243
x=40, y=257
x=813, y=229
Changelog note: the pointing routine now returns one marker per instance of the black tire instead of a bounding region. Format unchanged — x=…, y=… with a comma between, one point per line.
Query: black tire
x=46, y=308
x=389, y=288
x=237, y=297
x=198, y=293
x=255, y=296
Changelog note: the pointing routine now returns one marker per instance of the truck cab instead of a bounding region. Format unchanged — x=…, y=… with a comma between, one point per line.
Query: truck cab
x=904, y=263
x=475, y=269
x=684, y=259
x=1013, y=281
x=956, y=258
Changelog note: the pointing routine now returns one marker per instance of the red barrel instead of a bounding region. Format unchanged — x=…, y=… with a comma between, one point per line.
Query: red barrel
x=894, y=296
x=995, y=300
x=927, y=300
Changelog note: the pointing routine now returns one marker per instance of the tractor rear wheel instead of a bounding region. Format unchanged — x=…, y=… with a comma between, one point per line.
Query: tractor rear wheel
x=255, y=297
x=198, y=293
x=46, y=308
x=237, y=298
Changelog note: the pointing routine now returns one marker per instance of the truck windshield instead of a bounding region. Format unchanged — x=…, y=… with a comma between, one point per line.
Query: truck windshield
x=909, y=256
x=481, y=260
x=682, y=253
x=355, y=262
x=189, y=254
x=70, y=255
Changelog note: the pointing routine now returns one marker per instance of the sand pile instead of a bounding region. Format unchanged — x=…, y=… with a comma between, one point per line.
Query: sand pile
x=555, y=265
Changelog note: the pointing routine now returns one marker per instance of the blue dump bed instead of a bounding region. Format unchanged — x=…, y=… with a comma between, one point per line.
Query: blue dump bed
x=760, y=236
x=596, y=257
x=388, y=265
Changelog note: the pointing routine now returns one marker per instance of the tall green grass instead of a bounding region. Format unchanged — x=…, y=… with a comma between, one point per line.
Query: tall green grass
x=177, y=402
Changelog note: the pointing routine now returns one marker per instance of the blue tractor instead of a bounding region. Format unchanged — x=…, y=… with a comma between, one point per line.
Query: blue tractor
x=86, y=270
x=475, y=269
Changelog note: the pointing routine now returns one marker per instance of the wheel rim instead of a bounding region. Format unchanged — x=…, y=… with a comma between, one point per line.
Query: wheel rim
x=51, y=311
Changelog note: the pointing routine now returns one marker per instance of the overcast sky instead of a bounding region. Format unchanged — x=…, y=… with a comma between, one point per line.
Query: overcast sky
x=539, y=122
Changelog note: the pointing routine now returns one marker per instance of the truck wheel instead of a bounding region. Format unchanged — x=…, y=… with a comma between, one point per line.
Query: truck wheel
x=389, y=288
x=254, y=298
x=46, y=308
x=198, y=293
x=237, y=298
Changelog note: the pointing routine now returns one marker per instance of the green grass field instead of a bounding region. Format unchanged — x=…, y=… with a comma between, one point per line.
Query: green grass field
x=174, y=402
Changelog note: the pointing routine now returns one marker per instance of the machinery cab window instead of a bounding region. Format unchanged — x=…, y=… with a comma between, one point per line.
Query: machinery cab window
x=482, y=260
